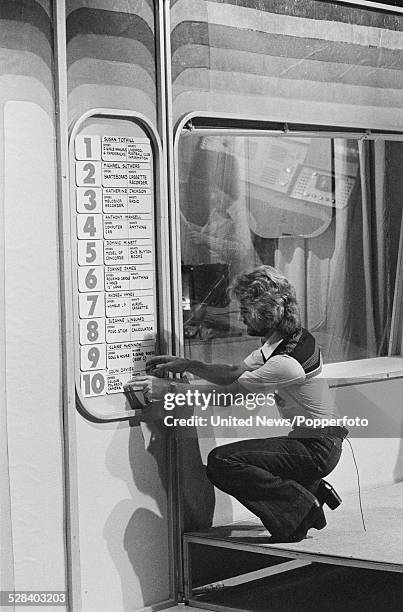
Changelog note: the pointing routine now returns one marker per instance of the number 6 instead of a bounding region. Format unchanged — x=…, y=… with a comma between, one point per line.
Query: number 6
x=91, y=279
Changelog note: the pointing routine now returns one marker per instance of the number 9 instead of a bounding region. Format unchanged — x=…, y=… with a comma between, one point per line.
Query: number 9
x=93, y=356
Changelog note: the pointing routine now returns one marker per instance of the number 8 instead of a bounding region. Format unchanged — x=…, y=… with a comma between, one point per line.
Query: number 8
x=92, y=331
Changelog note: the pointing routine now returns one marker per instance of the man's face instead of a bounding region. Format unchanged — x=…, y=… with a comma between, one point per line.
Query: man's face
x=253, y=326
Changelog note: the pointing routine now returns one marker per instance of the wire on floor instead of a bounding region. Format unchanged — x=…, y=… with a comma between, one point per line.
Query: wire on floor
x=359, y=487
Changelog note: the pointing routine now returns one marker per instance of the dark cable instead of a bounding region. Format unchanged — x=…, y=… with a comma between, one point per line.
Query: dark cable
x=359, y=487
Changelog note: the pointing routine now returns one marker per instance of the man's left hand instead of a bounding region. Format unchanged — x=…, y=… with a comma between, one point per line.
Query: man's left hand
x=153, y=388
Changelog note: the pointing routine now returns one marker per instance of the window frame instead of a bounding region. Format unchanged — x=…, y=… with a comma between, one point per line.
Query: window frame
x=214, y=124
x=368, y=4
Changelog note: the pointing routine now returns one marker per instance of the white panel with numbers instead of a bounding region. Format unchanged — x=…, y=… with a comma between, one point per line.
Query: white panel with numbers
x=114, y=226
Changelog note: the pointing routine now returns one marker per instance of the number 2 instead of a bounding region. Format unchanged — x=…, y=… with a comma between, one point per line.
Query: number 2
x=89, y=179
x=88, y=173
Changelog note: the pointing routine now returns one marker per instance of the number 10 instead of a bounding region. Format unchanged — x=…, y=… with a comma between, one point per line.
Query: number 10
x=93, y=383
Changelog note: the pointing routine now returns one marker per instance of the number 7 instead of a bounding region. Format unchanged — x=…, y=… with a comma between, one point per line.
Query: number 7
x=93, y=299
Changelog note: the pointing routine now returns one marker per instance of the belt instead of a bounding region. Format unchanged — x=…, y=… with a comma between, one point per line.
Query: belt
x=318, y=432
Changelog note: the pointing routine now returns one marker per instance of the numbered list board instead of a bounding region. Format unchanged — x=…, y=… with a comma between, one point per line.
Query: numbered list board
x=115, y=271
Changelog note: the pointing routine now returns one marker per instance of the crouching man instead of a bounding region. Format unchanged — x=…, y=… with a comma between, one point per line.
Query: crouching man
x=279, y=479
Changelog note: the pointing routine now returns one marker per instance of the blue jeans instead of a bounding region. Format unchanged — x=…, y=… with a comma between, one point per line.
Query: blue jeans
x=275, y=478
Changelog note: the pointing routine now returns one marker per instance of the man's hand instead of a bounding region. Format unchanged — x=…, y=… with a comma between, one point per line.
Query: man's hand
x=163, y=364
x=153, y=388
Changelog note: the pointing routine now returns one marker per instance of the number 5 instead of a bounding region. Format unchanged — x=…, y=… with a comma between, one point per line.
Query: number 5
x=90, y=252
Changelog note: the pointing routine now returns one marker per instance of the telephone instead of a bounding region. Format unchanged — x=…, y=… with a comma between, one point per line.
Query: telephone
x=322, y=187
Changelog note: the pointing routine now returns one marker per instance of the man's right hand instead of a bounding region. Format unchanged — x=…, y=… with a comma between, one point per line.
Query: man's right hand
x=163, y=364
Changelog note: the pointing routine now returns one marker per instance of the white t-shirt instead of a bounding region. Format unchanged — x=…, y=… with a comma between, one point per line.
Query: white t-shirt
x=296, y=394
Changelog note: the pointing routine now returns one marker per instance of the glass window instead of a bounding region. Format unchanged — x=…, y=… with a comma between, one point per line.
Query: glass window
x=325, y=211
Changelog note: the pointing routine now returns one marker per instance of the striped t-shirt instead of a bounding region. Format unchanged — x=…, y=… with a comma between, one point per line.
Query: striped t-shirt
x=289, y=366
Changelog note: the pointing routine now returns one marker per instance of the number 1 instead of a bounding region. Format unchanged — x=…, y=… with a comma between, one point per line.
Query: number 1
x=88, y=148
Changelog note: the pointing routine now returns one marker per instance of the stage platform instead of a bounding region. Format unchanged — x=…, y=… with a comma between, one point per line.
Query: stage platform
x=343, y=542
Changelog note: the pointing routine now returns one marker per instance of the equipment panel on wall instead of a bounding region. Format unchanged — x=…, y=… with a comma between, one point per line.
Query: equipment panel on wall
x=113, y=251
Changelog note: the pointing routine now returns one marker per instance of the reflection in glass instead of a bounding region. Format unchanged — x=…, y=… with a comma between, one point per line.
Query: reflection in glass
x=326, y=212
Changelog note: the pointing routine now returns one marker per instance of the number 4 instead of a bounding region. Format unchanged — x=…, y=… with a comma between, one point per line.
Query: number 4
x=89, y=226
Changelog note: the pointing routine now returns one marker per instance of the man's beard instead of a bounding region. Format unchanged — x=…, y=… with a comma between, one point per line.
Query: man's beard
x=261, y=333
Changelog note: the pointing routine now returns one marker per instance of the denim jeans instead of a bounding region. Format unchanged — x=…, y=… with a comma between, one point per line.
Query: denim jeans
x=275, y=478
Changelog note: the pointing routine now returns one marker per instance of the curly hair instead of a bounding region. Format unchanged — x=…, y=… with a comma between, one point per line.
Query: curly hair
x=269, y=297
